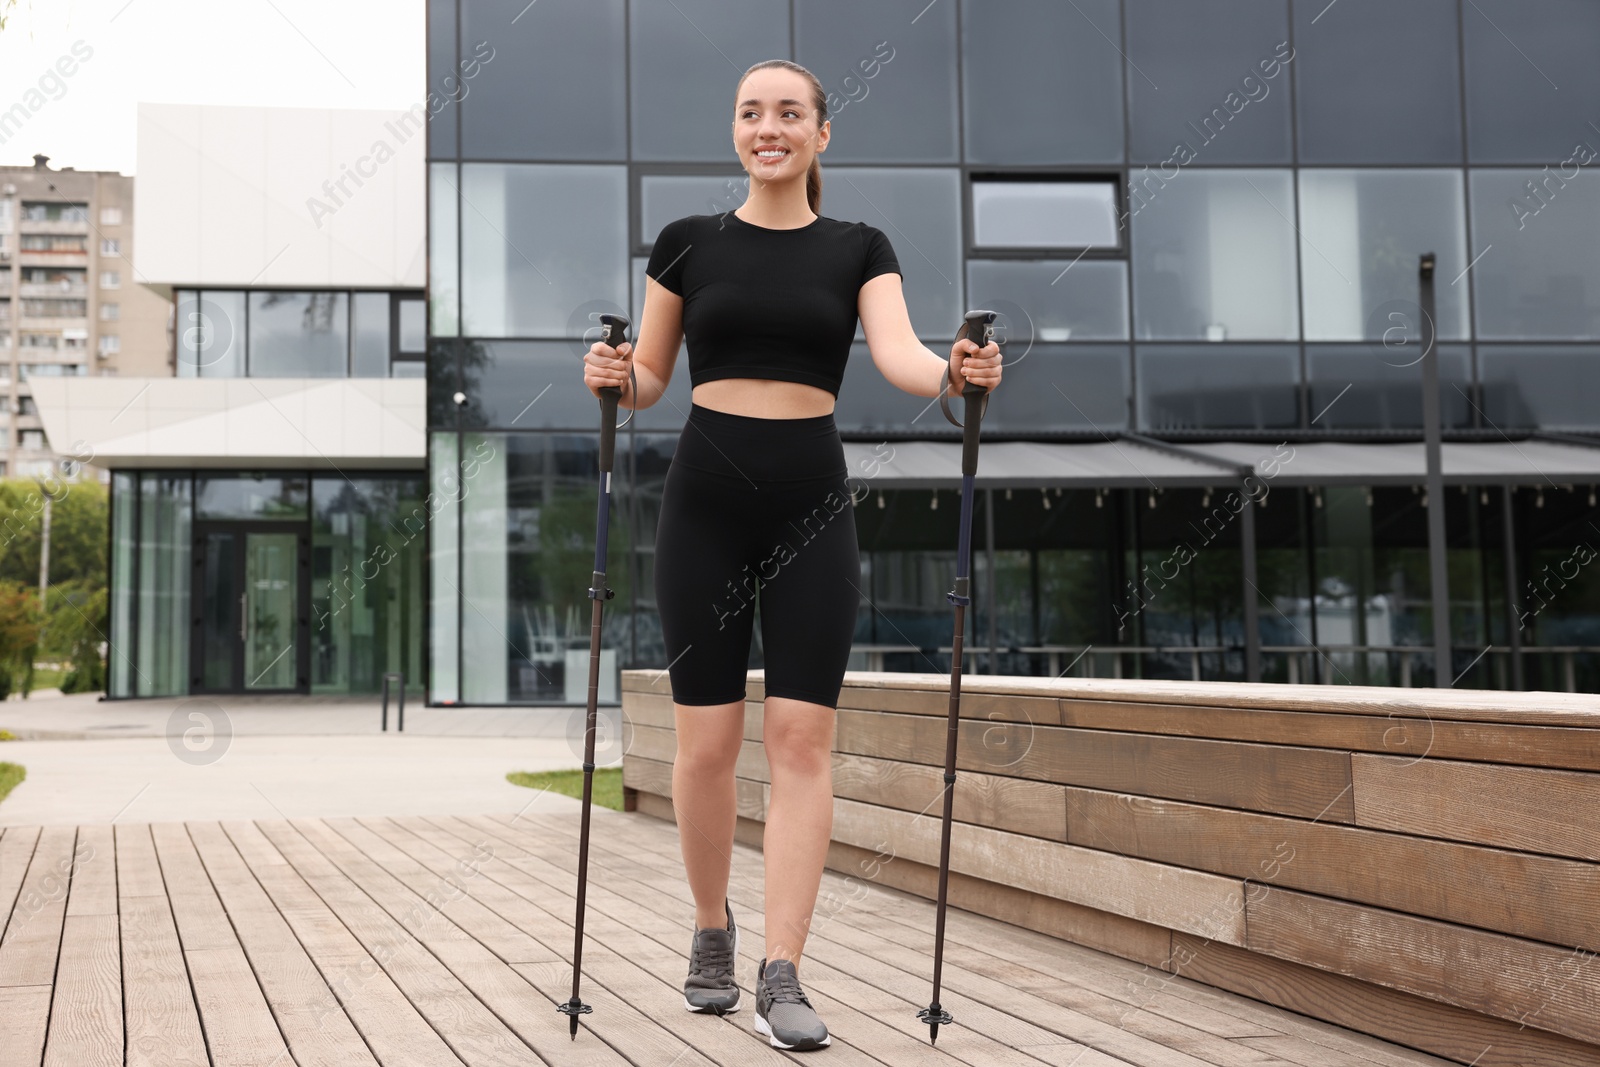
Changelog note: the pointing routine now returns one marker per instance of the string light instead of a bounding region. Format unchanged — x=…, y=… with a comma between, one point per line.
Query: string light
x=1483, y=497
x=1538, y=500
x=1591, y=496
x=1099, y=499
x=1044, y=497
x=1152, y=498
x=1008, y=492
x=1205, y=501
x=881, y=504
x=933, y=501
x=1318, y=497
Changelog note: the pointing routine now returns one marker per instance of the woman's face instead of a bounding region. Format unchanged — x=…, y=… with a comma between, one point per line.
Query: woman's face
x=774, y=125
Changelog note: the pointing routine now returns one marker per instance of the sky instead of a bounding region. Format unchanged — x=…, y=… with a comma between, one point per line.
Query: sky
x=270, y=53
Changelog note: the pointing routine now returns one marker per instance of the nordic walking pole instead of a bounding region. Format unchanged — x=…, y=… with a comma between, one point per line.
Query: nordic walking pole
x=614, y=331
x=978, y=324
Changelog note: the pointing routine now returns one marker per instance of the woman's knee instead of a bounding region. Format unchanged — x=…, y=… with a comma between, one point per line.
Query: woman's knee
x=798, y=736
x=710, y=736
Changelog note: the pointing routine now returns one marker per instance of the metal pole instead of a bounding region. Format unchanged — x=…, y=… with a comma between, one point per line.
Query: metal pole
x=1514, y=622
x=1443, y=672
x=1252, y=621
x=994, y=580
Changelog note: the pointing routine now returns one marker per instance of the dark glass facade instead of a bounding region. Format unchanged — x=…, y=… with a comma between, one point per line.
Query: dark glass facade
x=1277, y=166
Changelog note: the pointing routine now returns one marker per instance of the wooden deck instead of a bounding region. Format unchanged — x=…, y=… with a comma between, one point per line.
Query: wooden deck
x=424, y=941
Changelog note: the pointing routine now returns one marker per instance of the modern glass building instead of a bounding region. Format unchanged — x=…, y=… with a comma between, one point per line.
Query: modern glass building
x=1201, y=221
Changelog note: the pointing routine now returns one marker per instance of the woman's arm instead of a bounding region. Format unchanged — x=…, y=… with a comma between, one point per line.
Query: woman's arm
x=906, y=362
x=653, y=357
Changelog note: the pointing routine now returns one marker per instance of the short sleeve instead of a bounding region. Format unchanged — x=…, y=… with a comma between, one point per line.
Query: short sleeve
x=880, y=257
x=667, y=256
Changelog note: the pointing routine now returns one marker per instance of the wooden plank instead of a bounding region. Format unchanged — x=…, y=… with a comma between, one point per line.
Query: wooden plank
x=1003, y=803
x=504, y=992
x=1179, y=899
x=650, y=913
x=1577, y=748
x=86, y=1011
x=471, y=1029
x=94, y=876
x=1527, y=982
x=162, y=1022
x=654, y=776
x=24, y=1016
x=1041, y=707
x=238, y=1025
x=1460, y=883
x=16, y=851
x=1526, y=808
x=661, y=745
x=1307, y=782
x=1461, y=1036
x=309, y=1016
x=393, y=1028
x=33, y=936
x=138, y=871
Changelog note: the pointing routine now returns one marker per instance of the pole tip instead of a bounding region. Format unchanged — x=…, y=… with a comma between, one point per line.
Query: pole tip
x=933, y=1036
x=572, y=1025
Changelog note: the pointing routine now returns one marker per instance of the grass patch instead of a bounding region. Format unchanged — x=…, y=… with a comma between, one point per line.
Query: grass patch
x=48, y=677
x=607, y=791
x=7, y=735
x=11, y=776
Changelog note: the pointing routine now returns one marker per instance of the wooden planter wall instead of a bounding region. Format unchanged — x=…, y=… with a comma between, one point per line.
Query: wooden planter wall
x=1421, y=865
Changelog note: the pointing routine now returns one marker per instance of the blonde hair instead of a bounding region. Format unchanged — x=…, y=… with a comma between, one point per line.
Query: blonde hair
x=819, y=103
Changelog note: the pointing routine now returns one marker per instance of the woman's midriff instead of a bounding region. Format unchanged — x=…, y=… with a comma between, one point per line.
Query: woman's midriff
x=764, y=398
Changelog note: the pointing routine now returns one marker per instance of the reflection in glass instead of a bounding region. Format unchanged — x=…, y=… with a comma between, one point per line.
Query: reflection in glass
x=1192, y=387
x=413, y=336
x=210, y=334
x=1214, y=257
x=1362, y=233
x=299, y=335
x=369, y=348
x=1020, y=60
x=271, y=587
x=1540, y=280
x=1374, y=387
x=1061, y=300
x=1532, y=79
x=124, y=543
x=444, y=539
x=1044, y=214
x=444, y=253
x=368, y=538
x=250, y=496
x=163, y=600
x=665, y=197
x=1544, y=387
x=527, y=385
x=537, y=243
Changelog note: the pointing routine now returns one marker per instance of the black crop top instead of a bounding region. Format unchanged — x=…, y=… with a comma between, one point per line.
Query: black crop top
x=762, y=303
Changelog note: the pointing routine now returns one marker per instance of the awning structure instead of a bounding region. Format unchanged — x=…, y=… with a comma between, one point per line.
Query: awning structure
x=1128, y=462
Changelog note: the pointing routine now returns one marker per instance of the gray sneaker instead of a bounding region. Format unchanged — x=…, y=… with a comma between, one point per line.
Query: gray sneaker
x=783, y=1014
x=710, y=987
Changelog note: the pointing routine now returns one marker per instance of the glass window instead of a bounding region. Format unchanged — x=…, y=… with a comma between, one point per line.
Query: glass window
x=299, y=335
x=210, y=328
x=687, y=57
x=369, y=343
x=527, y=557
x=538, y=242
x=1532, y=79
x=1379, y=387
x=1044, y=214
x=444, y=539
x=443, y=250
x=1362, y=233
x=1378, y=82
x=528, y=385
x=1214, y=257
x=442, y=75
x=124, y=543
x=250, y=496
x=1537, y=277
x=1218, y=387
x=879, y=67
x=1206, y=81
x=1020, y=60
x=542, y=95
x=368, y=537
x=663, y=198
x=413, y=335
x=1059, y=300
x=1546, y=387
x=163, y=597
x=110, y=279
x=920, y=212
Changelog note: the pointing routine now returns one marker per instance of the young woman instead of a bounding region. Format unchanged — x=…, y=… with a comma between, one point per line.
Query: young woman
x=755, y=500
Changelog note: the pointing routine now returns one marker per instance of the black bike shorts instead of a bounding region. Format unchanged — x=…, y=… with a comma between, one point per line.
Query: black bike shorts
x=757, y=511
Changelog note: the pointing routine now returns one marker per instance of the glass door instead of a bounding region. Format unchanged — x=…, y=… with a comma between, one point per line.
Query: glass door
x=250, y=598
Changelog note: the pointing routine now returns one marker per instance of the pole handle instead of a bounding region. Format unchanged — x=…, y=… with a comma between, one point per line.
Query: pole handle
x=613, y=331
x=978, y=327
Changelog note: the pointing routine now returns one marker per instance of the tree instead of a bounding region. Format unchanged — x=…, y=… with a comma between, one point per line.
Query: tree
x=19, y=636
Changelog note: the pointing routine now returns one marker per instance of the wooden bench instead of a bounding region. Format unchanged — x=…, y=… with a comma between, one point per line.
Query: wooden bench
x=1421, y=865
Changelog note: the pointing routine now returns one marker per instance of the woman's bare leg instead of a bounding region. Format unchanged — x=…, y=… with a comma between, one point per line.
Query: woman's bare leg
x=798, y=738
x=703, y=798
